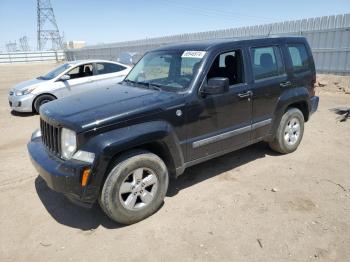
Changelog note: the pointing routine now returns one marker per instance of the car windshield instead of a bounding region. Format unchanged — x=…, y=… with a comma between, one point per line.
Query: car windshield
x=52, y=74
x=169, y=70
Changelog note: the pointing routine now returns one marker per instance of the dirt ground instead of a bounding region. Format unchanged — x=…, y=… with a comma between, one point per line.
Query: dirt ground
x=222, y=210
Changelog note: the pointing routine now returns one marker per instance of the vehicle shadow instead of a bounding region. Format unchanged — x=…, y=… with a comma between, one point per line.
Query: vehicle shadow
x=19, y=114
x=217, y=166
x=69, y=214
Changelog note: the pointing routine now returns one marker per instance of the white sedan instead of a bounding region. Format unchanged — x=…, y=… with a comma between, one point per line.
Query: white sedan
x=67, y=79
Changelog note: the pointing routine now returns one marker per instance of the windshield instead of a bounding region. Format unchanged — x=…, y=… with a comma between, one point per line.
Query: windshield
x=171, y=70
x=52, y=74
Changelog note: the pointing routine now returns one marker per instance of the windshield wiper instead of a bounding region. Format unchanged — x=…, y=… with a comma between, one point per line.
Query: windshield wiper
x=150, y=85
x=154, y=86
x=129, y=81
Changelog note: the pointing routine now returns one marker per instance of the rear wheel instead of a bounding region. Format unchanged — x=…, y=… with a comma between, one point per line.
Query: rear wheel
x=40, y=100
x=289, y=133
x=135, y=187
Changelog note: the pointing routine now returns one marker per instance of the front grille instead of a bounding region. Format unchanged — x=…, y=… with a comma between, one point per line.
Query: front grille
x=51, y=137
x=11, y=93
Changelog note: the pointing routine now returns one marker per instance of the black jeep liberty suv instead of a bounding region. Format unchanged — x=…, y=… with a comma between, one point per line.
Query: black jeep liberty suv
x=179, y=106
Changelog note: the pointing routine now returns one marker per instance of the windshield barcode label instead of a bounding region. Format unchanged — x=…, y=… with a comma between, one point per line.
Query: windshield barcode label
x=194, y=54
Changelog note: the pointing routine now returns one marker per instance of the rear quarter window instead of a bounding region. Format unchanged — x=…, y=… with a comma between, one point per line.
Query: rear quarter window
x=299, y=57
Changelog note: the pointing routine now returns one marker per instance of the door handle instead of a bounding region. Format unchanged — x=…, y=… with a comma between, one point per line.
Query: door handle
x=245, y=94
x=285, y=84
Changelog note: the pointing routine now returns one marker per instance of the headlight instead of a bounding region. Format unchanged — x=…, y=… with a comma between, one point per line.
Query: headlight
x=21, y=93
x=68, y=143
x=24, y=92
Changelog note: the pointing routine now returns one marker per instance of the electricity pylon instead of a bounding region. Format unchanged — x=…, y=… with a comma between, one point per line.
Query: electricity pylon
x=24, y=44
x=47, y=26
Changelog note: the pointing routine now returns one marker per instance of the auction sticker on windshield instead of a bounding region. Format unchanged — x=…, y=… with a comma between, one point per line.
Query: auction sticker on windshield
x=194, y=54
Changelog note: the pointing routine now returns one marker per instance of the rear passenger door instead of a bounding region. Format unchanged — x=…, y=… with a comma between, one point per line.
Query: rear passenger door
x=269, y=79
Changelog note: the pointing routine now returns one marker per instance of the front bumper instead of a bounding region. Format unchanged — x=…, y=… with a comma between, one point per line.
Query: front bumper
x=314, y=104
x=61, y=176
x=21, y=103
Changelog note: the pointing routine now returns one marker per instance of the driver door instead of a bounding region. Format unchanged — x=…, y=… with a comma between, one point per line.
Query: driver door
x=81, y=80
x=221, y=122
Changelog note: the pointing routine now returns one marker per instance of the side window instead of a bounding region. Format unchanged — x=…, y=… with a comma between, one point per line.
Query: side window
x=299, y=57
x=267, y=62
x=230, y=65
x=106, y=68
x=100, y=69
x=74, y=73
x=87, y=70
x=80, y=71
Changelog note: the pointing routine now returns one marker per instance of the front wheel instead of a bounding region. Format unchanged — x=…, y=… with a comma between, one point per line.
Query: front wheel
x=289, y=132
x=40, y=100
x=135, y=187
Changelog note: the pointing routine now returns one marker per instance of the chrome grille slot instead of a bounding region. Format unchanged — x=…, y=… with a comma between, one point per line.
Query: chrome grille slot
x=51, y=137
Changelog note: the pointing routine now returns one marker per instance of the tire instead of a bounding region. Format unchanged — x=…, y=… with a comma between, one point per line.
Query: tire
x=289, y=132
x=40, y=100
x=128, y=194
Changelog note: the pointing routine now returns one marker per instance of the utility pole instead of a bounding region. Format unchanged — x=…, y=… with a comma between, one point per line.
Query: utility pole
x=47, y=26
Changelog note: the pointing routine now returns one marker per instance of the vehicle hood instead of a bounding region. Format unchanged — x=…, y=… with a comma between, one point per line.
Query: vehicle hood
x=26, y=84
x=105, y=106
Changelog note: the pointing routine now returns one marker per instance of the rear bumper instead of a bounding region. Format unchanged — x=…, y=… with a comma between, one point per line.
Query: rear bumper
x=314, y=104
x=61, y=176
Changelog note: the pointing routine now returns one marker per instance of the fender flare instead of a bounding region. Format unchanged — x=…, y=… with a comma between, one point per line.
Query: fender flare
x=108, y=145
x=288, y=97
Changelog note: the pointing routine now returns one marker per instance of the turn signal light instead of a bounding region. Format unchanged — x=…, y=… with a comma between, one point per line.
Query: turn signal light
x=85, y=176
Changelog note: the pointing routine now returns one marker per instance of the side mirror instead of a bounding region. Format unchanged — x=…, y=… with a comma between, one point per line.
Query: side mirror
x=64, y=78
x=216, y=85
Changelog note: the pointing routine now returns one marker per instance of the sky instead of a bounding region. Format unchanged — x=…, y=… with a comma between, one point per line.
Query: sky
x=106, y=21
